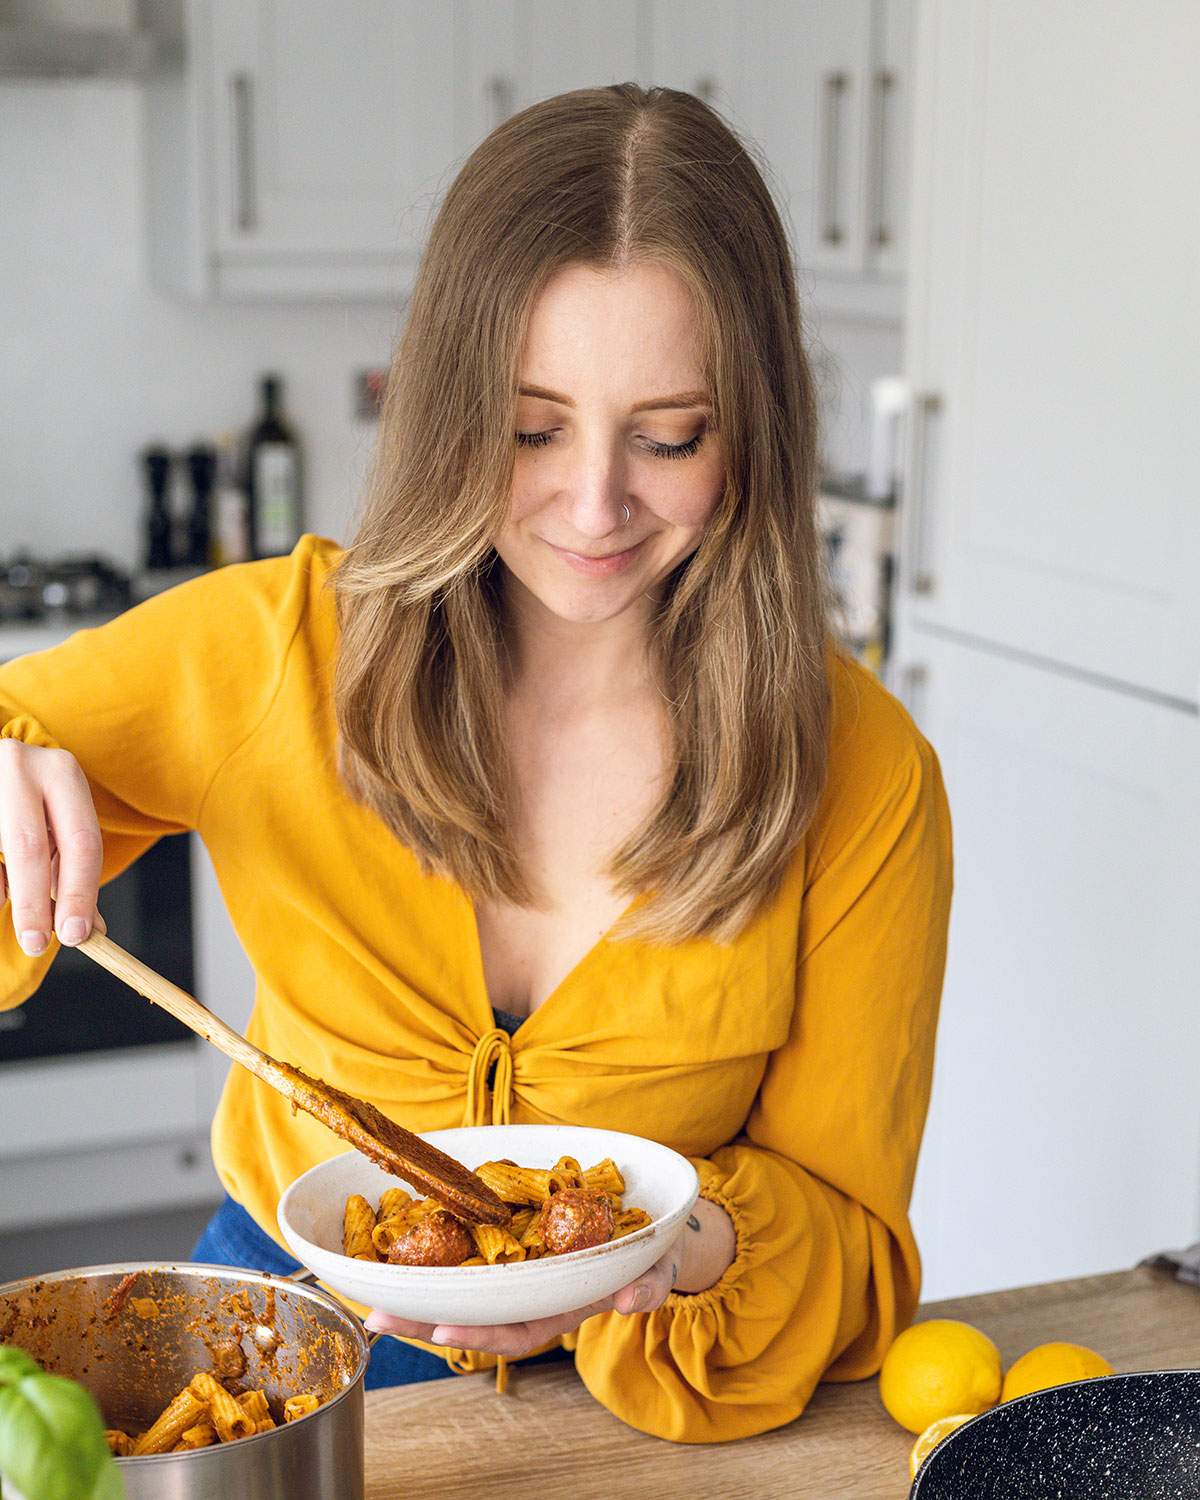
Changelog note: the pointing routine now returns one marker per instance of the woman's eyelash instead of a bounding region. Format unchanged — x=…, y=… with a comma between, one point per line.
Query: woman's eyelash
x=676, y=450
x=659, y=450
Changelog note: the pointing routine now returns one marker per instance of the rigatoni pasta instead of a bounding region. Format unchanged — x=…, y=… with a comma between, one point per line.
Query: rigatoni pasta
x=183, y=1411
x=203, y=1435
x=254, y=1404
x=299, y=1406
x=204, y=1413
x=358, y=1222
x=226, y=1415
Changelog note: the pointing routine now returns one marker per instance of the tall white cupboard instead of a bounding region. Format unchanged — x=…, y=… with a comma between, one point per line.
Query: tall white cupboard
x=1048, y=637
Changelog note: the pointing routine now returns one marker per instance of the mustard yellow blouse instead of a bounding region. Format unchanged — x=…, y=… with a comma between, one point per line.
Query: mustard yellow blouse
x=792, y=1065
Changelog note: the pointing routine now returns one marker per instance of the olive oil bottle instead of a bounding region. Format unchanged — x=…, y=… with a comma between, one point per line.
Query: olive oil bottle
x=273, y=477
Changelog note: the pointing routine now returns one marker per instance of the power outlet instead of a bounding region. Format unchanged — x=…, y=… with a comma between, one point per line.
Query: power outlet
x=369, y=386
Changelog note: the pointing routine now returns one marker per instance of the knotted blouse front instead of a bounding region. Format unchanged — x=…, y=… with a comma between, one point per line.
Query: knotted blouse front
x=792, y=1065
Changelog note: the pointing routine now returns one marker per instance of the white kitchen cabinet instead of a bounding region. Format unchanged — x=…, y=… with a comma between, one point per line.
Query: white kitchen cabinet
x=889, y=148
x=331, y=123
x=822, y=87
x=1064, y=1130
x=1053, y=335
x=306, y=144
x=302, y=149
x=142, y=1115
x=511, y=53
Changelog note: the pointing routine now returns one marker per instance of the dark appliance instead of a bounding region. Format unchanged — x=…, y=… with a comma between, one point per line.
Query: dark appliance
x=79, y=1007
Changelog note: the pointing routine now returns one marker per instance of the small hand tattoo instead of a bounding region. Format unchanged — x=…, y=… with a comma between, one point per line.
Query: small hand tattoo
x=693, y=1223
x=674, y=1272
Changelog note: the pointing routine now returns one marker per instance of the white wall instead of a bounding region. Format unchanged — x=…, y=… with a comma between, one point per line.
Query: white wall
x=95, y=363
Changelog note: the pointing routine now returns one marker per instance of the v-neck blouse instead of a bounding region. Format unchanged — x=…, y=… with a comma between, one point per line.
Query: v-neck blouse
x=792, y=1065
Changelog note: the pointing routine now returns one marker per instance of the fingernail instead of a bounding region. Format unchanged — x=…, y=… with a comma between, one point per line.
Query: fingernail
x=74, y=930
x=34, y=942
x=439, y=1336
x=641, y=1296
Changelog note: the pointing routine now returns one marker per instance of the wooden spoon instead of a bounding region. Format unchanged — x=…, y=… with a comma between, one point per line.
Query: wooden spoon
x=387, y=1144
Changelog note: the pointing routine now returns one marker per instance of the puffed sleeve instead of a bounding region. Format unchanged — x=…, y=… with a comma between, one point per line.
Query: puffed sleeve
x=826, y=1270
x=151, y=704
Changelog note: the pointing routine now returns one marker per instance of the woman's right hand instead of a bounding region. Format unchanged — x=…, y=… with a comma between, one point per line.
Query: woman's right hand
x=50, y=839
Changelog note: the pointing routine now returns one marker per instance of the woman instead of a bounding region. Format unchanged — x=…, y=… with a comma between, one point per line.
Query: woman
x=550, y=799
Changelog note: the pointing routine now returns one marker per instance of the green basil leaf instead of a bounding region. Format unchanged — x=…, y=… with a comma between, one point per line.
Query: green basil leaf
x=51, y=1438
x=15, y=1364
x=109, y=1483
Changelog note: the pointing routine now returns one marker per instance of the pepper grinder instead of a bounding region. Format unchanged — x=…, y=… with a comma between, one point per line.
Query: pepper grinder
x=202, y=470
x=157, y=464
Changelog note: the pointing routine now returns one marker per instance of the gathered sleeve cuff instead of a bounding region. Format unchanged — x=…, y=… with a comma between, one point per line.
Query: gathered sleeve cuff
x=745, y=1355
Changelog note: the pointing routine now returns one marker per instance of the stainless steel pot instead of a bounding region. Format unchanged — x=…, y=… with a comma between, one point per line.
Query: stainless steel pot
x=294, y=1338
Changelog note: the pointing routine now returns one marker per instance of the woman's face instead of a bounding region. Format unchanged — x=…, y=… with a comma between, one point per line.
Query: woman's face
x=613, y=412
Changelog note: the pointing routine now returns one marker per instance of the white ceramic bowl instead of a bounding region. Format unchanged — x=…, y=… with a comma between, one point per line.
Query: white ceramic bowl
x=656, y=1179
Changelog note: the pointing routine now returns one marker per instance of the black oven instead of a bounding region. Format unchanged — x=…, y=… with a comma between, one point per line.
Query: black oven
x=79, y=1006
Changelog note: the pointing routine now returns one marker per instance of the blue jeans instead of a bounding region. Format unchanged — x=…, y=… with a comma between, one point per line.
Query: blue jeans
x=232, y=1238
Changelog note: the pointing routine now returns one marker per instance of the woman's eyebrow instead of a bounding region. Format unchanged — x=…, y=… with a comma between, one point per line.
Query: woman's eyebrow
x=680, y=401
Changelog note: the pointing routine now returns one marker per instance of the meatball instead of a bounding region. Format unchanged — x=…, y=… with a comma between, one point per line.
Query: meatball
x=574, y=1218
x=229, y=1360
x=439, y=1239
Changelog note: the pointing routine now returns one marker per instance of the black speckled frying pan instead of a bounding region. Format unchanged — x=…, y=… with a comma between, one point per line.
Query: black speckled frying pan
x=1121, y=1437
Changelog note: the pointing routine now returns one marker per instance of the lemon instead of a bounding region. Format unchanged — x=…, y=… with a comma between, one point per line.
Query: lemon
x=1052, y=1364
x=939, y=1369
x=932, y=1436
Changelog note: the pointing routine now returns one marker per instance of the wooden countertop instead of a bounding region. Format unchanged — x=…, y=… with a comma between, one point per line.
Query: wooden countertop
x=457, y=1437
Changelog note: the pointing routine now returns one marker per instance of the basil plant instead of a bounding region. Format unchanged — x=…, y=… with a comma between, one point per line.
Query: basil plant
x=52, y=1443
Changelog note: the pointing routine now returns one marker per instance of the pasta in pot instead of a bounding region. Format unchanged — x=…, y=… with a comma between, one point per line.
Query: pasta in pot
x=204, y=1413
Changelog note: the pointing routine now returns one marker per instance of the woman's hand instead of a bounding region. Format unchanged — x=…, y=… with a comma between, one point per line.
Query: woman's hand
x=50, y=838
x=697, y=1259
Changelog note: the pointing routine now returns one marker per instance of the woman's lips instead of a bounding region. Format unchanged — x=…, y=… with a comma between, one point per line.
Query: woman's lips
x=597, y=567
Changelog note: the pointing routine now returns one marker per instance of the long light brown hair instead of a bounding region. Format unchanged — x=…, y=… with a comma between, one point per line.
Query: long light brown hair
x=606, y=177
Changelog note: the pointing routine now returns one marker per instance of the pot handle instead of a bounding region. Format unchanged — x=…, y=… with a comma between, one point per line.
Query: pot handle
x=305, y=1277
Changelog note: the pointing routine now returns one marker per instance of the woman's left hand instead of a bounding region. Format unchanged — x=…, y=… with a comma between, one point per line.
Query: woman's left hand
x=514, y=1340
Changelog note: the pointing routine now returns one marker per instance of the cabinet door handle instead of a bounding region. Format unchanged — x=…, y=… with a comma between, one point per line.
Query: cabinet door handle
x=832, y=93
x=885, y=82
x=918, y=502
x=245, y=207
x=705, y=88
x=500, y=91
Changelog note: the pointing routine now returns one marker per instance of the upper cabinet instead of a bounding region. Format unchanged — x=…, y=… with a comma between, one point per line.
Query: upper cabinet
x=329, y=125
x=1053, y=336
x=822, y=87
x=511, y=53
x=305, y=146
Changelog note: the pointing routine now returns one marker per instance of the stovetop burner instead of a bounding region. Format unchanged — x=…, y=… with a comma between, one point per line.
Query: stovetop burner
x=69, y=587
